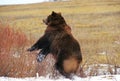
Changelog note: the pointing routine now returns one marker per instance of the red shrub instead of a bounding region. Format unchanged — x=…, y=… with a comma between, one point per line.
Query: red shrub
x=14, y=60
x=12, y=57
x=10, y=38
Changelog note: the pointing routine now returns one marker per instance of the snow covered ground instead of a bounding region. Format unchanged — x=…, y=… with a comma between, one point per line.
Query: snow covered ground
x=94, y=78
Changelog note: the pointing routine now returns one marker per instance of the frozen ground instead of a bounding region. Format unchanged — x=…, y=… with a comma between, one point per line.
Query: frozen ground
x=95, y=78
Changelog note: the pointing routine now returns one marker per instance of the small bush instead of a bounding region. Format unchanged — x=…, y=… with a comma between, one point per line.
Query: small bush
x=15, y=61
x=13, y=58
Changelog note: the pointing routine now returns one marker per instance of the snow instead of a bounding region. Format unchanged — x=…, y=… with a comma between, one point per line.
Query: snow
x=75, y=78
x=101, y=69
x=103, y=53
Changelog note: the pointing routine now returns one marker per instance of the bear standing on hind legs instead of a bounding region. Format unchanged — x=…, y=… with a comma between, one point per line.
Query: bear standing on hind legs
x=59, y=41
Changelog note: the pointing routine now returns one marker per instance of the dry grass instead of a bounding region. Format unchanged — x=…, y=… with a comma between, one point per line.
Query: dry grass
x=14, y=61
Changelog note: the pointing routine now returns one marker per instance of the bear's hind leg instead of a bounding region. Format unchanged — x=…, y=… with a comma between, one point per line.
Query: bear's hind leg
x=70, y=65
x=59, y=67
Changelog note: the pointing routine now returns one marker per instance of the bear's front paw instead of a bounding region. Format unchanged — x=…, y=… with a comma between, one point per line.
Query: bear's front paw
x=40, y=57
x=31, y=49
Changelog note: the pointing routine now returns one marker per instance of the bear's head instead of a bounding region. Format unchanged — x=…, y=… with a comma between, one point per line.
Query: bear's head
x=54, y=19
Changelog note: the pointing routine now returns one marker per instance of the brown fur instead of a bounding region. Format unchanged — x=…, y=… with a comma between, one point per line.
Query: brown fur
x=67, y=29
x=70, y=65
x=64, y=46
x=61, y=44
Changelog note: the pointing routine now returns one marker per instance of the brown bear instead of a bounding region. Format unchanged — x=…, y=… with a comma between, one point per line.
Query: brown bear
x=59, y=41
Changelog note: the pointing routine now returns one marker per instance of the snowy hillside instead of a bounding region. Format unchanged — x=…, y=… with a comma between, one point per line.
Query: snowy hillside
x=95, y=78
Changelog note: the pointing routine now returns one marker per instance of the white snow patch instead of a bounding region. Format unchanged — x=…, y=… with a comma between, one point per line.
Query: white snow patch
x=101, y=69
x=16, y=55
x=94, y=78
x=37, y=75
x=103, y=53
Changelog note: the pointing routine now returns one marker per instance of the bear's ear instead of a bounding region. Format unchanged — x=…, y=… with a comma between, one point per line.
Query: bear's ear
x=59, y=13
x=53, y=13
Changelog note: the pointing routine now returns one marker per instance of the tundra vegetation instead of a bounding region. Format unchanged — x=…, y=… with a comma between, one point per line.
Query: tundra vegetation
x=95, y=24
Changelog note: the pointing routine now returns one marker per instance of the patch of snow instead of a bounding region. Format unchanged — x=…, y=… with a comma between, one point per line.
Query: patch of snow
x=118, y=70
x=16, y=55
x=101, y=69
x=103, y=53
x=94, y=78
x=37, y=75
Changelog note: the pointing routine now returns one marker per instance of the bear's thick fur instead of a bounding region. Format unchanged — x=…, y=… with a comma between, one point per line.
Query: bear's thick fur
x=59, y=41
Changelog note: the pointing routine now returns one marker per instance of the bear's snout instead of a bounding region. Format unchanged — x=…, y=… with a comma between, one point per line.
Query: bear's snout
x=45, y=21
